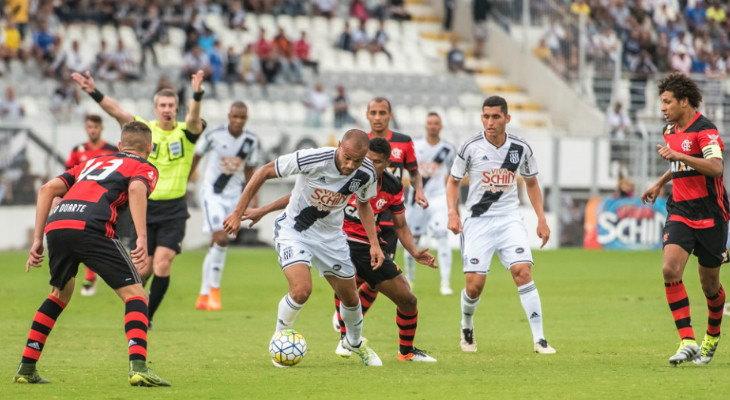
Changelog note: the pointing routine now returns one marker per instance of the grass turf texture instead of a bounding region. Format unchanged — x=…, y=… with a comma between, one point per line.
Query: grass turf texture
x=605, y=313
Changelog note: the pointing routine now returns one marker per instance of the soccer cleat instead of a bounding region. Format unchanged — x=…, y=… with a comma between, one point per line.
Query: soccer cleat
x=368, y=356
x=446, y=291
x=140, y=375
x=335, y=322
x=341, y=350
x=707, y=349
x=276, y=364
x=726, y=310
x=202, y=302
x=467, y=340
x=688, y=351
x=214, y=300
x=89, y=288
x=542, y=347
x=27, y=373
x=416, y=355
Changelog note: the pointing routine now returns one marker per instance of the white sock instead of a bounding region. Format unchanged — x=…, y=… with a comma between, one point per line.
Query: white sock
x=444, y=253
x=531, y=303
x=409, y=263
x=217, y=257
x=468, y=308
x=352, y=316
x=288, y=311
x=205, y=282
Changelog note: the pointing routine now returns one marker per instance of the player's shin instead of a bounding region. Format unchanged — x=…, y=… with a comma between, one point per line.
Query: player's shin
x=679, y=305
x=468, y=308
x=43, y=322
x=135, y=327
x=409, y=266
x=288, y=311
x=352, y=316
x=367, y=296
x=444, y=254
x=407, y=324
x=715, y=306
x=530, y=299
x=217, y=256
x=205, y=282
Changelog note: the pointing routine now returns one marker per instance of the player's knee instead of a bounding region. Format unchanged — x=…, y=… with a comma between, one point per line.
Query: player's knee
x=221, y=239
x=671, y=271
x=521, y=273
x=300, y=294
x=409, y=303
x=474, y=291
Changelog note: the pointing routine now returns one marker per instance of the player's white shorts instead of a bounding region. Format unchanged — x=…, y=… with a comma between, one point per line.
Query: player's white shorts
x=215, y=210
x=433, y=220
x=330, y=256
x=482, y=236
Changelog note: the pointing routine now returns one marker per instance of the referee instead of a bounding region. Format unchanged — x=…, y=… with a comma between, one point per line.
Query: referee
x=173, y=145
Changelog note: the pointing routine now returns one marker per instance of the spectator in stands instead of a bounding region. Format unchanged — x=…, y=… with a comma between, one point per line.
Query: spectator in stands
x=217, y=63
x=621, y=16
x=73, y=60
x=236, y=16
x=717, y=67
x=65, y=98
x=716, y=12
x=268, y=57
x=207, y=40
x=542, y=51
x=619, y=122
x=695, y=14
x=358, y=10
x=149, y=32
x=325, y=8
x=455, y=58
x=480, y=11
x=345, y=40
x=25, y=189
x=632, y=47
x=17, y=10
x=231, y=70
x=681, y=40
x=607, y=44
x=196, y=60
x=316, y=102
x=291, y=7
x=580, y=7
x=10, y=108
x=12, y=48
x=663, y=15
x=43, y=41
x=291, y=71
x=360, y=37
x=6, y=188
x=341, y=106
x=302, y=53
x=397, y=10
x=681, y=60
x=661, y=52
x=124, y=63
x=449, y=6
x=380, y=39
x=554, y=35
x=250, y=68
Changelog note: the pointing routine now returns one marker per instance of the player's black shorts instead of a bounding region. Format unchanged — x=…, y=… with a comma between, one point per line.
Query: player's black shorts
x=166, y=224
x=387, y=235
x=360, y=255
x=107, y=257
x=709, y=244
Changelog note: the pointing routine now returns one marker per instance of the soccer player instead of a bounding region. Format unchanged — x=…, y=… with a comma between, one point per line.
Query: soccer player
x=435, y=157
x=233, y=157
x=491, y=161
x=697, y=212
x=94, y=147
x=387, y=278
x=173, y=146
x=310, y=231
x=82, y=229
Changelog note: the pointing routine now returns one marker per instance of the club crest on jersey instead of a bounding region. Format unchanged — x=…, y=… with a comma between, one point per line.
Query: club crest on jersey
x=327, y=200
x=514, y=156
x=498, y=180
x=354, y=185
x=713, y=139
x=396, y=153
x=687, y=145
x=380, y=203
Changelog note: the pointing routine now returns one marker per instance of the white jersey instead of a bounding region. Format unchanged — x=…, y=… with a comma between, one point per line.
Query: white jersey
x=492, y=173
x=434, y=164
x=321, y=192
x=228, y=154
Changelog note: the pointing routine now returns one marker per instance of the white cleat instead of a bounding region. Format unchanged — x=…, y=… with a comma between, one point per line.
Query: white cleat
x=335, y=322
x=276, y=364
x=468, y=343
x=688, y=351
x=342, y=351
x=417, y=355
x=726, y=311
x=542, y=347
x=89, y=291
x=367, y=355
x=446, y=291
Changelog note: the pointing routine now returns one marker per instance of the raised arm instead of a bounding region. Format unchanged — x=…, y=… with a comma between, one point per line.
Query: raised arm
x=49, y=191
x=192, y=119
x=108, y=104
x=367, y=219
x=138, y=210
x=232, y=223
x=535, y=195
x=406, y=239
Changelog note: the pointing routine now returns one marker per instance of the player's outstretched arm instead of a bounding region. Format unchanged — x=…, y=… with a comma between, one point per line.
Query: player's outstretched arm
x=193, y=120
x=652, y=193
x=232, y=223
x=535, y=195
x=711, y=167
x=255, y=214
x=417, y=184
x=138, y=210
x=108, y=104
x=452, y=200
x=52, y=189
x=367, y=219
x=406, y=238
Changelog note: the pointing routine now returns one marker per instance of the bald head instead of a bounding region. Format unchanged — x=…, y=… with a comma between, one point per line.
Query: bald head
x=351, y=151
x=356, y=139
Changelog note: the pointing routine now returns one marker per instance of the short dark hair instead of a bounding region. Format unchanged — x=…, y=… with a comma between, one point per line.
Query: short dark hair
x=433, y=114
x=165, y=93
x=95, y=118
x=359, y=137
x=380, y=146
x=239, y=104
x=380, y=100
x=496, y=101
x=136, y=135
x=683, y=87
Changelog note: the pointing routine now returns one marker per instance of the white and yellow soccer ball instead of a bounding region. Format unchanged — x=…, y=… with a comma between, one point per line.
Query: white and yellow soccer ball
x=287, y=347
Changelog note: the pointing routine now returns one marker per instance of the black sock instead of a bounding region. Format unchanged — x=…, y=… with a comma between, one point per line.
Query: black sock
x=158, y=288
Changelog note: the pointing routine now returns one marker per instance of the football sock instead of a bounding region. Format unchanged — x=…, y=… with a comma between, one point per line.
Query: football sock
x=530, y=299
x=444, y=253
x=367, y=297
x=158, y=288
x=339, y=316
x=217, y=262
x=468, y=308
x=406, y=330
x=409, y=263
x=679, y=304
x=135, y=327
x=352, y=316
x=90, y=275
x=43, y=322
x=288, y=311
x=715, y=307
x=205, y=282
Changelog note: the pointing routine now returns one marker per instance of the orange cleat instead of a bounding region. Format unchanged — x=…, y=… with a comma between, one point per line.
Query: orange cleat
x=202, y=303
x=214, y=300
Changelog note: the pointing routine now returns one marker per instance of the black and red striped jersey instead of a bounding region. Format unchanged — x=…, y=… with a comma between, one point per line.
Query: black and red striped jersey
x=389, y=198
x=697, y=200
x=402, y=153
x=97, y=192
x=85, y=152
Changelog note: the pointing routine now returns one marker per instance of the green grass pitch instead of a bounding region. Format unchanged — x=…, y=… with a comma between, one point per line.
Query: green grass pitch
x=604, y=312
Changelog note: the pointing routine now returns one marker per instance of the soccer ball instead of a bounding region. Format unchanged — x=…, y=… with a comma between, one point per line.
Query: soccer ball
x=287, y=347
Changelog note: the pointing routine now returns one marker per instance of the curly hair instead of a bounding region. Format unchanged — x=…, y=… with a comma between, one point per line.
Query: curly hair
x=683, y=87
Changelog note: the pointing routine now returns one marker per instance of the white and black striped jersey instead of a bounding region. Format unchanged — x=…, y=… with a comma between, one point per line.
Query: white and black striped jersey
x=228, y=154
x=321, y=193
x=493, y=172
x=434, y=164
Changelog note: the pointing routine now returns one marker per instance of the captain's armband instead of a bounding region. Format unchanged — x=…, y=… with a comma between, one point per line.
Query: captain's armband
x=712, y=151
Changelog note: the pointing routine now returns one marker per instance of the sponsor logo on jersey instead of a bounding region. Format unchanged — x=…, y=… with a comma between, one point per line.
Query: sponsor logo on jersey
x=150, y=174
x=498, y=180
x=514, y=156
x=396, y=153
x=337, y=267
x=380, y=203
x=519, y=250
x=678, y=166
x=327, y=200
x=428, y=169
x=474, y=261
x=354, y=185
x=686, y=145
x=230, y=165
x=322, y=179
